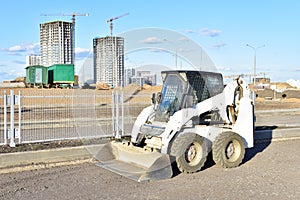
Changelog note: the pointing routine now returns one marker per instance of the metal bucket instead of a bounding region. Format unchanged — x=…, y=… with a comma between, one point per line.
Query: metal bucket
x=134, y=163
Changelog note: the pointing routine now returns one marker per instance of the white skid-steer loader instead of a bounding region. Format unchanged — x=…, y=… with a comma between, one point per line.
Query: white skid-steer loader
x=193, y=115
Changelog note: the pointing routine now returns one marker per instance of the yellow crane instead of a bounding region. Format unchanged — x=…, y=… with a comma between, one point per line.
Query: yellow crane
x=111, y=22
x=73, y=27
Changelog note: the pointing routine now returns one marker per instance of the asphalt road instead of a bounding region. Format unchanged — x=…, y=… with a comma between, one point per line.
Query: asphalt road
x=269, y=171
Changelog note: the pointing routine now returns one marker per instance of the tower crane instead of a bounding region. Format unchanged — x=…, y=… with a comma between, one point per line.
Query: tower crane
x=234, y=76
x=111, y=22
x=73, y=27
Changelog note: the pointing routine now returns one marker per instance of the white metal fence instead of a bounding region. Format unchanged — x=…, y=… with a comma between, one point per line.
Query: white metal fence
x=30, y=116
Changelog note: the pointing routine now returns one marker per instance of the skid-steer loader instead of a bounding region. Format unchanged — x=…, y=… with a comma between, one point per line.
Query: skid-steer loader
x=193, y=115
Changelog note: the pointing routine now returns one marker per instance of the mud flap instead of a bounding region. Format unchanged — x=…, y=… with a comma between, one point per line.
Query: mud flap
x=134, y=163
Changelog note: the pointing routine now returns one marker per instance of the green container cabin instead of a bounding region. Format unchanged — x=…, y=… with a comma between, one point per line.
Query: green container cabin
x=61, y=74
x=36, y=75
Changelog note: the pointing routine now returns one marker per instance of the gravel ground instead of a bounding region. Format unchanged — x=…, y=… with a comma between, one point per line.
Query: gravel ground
x=269, y=171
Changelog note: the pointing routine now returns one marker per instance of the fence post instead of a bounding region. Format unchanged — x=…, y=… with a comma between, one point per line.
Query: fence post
x=5, y=117
x=12, y=119
x=20, y=115
x=113, y=112
x=117, y=136
x=122, y=100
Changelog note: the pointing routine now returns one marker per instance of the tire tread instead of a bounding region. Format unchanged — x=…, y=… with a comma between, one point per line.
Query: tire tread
x=219, y=147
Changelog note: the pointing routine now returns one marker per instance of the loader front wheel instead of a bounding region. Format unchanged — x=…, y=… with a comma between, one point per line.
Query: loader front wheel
x=190, y=151
x=228, y=150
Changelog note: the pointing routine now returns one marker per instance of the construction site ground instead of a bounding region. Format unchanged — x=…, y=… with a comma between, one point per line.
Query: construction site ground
x=269, y=171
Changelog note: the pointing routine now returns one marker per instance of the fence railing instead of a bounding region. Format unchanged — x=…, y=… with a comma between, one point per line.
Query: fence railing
x=11, y=130
x=60, y=114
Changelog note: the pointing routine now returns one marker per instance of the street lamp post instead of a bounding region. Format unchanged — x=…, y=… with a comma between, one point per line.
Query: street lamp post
x=254, y=65
x=176, y=50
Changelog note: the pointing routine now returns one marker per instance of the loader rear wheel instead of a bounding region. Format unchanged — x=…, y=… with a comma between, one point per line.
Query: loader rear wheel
x=190, y=151
x=228, y=150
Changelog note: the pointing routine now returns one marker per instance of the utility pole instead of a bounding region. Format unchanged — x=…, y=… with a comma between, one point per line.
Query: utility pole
x=254, y=65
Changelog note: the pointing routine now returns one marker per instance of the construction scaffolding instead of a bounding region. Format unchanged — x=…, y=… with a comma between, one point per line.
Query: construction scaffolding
x=56, y=43
x=109, y=60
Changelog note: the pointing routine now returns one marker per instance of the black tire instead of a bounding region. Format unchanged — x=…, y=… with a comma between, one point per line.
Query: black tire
x=228, y=150
x=190, y=151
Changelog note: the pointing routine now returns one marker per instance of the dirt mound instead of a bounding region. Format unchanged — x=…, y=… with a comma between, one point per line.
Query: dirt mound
x=102, y=86
x=131, y=88
x=146, y=87
x=19, y=79
x=281, y=85
x=291, y=93
x=156, y=88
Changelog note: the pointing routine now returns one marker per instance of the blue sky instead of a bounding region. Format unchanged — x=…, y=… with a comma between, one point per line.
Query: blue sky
x=221, y=28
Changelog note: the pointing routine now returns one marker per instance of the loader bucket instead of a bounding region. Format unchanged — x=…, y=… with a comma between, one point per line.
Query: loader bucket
x=134, y=163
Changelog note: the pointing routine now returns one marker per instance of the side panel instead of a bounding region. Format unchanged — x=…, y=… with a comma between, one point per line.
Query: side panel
x=183, y=116
x=63, y=74
x=45, y=75
x=28, y=75
x=141, y=119
x=244, y=125
x=38, y=75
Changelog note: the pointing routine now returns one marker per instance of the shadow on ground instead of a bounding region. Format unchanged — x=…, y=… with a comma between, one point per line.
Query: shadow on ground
x=262, y=139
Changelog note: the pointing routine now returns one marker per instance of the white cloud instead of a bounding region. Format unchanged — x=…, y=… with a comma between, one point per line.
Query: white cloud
x=82, y=53
x=26, y=48
x=210, y=32
x=224, y=68
x=15, y=73
x=81, y=50
x=151, y=40
x=15, y=48
x=11, y=75
x=219, y=45
x=189, y=31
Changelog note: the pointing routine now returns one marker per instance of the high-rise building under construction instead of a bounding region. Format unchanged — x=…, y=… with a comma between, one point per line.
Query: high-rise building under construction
x=33, y=59
x=56, y=43
x=109, y=60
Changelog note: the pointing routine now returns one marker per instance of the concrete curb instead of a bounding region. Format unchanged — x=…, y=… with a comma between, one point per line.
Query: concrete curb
x=22, y=161
x=278, y=133
x=46, y=158
x=278, y=110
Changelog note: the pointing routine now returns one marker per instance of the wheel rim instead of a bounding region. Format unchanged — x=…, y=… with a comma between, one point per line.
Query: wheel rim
x=233, y=150
x=193, y=154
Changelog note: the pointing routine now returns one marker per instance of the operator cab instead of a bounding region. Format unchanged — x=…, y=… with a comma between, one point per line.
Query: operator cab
x=184, y=89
